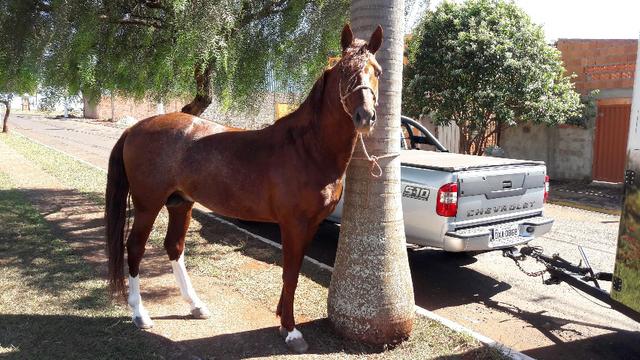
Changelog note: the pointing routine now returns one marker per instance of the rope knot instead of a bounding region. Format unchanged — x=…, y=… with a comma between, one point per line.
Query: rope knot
x=374, y=165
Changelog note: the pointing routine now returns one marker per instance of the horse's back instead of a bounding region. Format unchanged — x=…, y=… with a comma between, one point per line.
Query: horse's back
x=187, y=125
x=155, y=147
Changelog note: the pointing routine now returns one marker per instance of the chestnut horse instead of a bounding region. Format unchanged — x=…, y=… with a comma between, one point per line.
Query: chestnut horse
x=289, y=173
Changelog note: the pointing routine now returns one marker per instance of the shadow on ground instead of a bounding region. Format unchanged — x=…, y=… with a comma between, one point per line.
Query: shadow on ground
x=65, y=248
x=443, y=280
x=433, y=290
x=66, y=214
x=80, y=337
x=68, y=336
x=41, y=257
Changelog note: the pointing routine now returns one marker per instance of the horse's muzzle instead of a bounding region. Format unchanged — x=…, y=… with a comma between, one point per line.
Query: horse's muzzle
x=364, y=119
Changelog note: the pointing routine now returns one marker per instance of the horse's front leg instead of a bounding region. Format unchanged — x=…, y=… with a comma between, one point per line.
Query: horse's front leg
x=295, y=238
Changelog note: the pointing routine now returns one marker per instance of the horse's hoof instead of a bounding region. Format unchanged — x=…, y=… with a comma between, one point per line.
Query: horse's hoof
x=294, y=340
x=201, y=313
x=142, y=323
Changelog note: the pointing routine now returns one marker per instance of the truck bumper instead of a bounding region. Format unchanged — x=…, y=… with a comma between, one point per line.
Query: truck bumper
x=482, y=237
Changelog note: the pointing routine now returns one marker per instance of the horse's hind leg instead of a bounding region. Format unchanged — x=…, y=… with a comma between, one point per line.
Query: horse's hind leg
x=142, y=224
x=179, y=218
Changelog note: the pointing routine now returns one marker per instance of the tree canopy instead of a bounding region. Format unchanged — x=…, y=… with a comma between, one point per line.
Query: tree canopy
x=21, y=47
x=484, y=65
x=165, y=48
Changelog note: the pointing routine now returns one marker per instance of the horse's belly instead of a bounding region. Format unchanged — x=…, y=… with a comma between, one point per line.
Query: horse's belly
x=236, y=203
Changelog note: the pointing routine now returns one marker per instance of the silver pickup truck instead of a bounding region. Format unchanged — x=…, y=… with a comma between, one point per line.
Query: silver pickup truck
x=462, y=202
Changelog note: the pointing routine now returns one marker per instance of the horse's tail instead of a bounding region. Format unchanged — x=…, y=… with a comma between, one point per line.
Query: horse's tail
x=115, y=216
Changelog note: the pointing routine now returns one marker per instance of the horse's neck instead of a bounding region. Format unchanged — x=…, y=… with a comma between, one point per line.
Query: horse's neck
x=325, y=133
x=336, y=133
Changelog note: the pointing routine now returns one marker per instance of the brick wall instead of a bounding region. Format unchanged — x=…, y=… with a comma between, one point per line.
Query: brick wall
x=263, y=115
x=599, y=64
x=138, y=109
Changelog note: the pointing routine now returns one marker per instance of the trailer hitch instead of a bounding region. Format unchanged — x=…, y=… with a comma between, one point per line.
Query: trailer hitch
x=557, y=267
x=577, y=276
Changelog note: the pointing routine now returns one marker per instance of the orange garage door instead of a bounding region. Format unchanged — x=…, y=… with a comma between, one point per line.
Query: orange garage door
x=610, y=145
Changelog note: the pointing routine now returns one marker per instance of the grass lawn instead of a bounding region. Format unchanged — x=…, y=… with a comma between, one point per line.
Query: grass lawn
x=53, y=303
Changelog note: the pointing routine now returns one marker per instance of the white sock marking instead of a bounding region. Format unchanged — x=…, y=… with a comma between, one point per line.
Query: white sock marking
x=186, y=289
x=135, y=300
x=293, y=335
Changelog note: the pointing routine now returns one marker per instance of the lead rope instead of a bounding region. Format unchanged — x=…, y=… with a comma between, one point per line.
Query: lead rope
x=373, y=159
x=373, y=165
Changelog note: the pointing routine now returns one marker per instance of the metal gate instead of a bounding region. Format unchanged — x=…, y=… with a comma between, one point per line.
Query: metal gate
x=610, y=143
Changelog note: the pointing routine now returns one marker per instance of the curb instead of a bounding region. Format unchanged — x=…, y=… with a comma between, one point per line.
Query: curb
x=503, y=349
x=577, y=205
x=60, y=151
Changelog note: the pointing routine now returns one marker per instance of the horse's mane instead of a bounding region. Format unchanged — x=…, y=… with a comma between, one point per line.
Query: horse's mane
x=352, y=62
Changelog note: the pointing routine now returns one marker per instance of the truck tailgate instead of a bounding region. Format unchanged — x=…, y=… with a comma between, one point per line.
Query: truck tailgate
x=504, y=193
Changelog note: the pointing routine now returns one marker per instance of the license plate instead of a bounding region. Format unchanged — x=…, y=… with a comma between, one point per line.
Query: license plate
x=505, y=235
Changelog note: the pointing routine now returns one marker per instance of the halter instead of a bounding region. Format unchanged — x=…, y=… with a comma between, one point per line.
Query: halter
x=374, y=167
x=343, y=98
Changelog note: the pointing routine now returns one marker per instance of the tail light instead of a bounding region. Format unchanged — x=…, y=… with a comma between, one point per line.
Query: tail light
x=447, y=200
x=546, y=188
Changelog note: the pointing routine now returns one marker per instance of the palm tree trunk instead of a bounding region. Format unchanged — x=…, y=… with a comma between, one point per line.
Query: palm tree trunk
x=371, y=295
x=7, y=111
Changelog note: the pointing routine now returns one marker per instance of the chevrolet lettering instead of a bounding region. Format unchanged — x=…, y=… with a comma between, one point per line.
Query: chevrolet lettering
x=501, y=208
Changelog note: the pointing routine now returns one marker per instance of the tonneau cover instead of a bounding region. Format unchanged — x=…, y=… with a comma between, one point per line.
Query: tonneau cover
x=451, y=162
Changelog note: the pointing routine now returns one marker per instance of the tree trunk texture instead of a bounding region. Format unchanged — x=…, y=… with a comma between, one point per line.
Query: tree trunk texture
x=371, y=294
x=7, y=111
x=203, y=91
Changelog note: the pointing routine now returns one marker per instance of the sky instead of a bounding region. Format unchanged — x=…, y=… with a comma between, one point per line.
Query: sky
x=585, y=19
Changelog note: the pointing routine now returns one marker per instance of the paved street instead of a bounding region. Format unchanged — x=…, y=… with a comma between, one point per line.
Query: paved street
x=485, y=292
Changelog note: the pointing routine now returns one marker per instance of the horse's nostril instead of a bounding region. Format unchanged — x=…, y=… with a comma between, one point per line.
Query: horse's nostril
x=358, y=116
x=373, y=118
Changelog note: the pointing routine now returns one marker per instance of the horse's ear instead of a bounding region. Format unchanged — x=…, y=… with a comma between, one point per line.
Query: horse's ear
x=347, y=37
x=376, y=40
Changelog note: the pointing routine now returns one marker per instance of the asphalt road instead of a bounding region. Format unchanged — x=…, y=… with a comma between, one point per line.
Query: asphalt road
x=485, y=292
